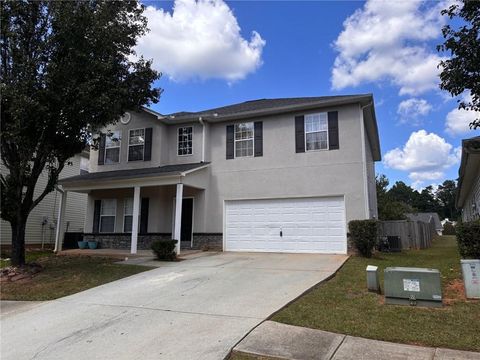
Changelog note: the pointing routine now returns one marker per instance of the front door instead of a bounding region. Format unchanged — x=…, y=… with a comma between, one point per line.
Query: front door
x=187, y=222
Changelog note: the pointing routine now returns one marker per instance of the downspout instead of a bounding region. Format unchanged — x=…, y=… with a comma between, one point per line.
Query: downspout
x=200, y=120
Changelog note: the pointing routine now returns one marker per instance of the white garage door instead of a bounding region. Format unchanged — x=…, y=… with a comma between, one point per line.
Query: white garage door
x=308, y=225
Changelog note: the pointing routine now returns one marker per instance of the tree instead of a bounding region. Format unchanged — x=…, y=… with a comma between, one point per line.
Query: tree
x=389, y=208
x=67, y=70
x=446, y=194
x=461, y=72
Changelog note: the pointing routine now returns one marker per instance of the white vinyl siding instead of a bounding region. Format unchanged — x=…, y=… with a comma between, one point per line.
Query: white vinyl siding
x=48, y=208
x=303, y=225
x=471, y=206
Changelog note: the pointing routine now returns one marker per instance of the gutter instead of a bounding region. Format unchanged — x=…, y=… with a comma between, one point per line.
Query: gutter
x=200, y=120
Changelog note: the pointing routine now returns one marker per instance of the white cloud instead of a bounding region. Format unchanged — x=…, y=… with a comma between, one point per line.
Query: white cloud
x=410, y=110
x=425, y=156
x=199, y=39
x=385, y=40
x=458, y=121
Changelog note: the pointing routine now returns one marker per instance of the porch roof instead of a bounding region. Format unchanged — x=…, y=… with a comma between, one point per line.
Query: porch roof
x=119, y=177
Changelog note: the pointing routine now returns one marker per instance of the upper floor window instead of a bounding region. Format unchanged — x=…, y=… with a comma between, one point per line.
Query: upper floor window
x=316, y=132
x=136, y=144
x=185, y=141
x=112, y=147
x=108, y=211
x=244, y=139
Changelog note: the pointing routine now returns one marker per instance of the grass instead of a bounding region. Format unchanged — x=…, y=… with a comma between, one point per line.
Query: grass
x=343, y=305
x=66, y=275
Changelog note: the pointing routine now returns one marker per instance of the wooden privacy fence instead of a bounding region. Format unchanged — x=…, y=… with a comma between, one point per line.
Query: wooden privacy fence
x=413, y=234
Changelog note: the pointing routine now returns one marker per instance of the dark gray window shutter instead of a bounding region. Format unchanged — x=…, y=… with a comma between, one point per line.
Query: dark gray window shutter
x=144, y=216
x=230, y=141
x=101, y=149
x=300, y=134
x=147, y=152
x=258, y=138
x=333, y=141
x=96, y=216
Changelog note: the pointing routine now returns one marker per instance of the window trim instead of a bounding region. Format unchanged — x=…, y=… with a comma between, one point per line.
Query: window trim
x=124, y=214
x=312, y=132
x=235, y=140
x=114, y=216
x=113, y=147
x=128, y=148
x=178, y=141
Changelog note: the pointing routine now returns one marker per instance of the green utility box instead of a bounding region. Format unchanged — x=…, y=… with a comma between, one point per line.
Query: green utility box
x=412, y=286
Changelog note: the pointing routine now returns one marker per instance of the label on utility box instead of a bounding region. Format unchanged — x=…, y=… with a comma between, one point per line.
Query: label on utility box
x=411, y=285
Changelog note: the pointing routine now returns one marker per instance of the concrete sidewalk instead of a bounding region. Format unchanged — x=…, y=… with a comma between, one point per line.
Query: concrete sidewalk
x=280, y=341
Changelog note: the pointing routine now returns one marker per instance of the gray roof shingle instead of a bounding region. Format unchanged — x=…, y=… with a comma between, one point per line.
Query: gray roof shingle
x=132, y=173
x=264, y=104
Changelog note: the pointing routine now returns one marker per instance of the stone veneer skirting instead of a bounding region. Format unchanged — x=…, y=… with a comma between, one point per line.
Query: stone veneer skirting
x=201, y=241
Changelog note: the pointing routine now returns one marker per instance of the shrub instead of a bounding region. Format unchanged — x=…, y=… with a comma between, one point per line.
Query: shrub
x=164, y=249
x=364, y=235
x=468, y=239
x=448, y=229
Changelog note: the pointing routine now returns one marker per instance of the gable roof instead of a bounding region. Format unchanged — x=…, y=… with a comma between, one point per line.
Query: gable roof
x=425, y=217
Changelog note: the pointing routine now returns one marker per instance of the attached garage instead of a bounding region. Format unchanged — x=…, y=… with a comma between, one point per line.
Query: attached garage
x=298, y=225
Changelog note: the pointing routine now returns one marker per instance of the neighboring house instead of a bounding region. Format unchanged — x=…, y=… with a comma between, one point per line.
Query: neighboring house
x=468, y=193
x=426, y=218
x=41, y=223
x=272, y=175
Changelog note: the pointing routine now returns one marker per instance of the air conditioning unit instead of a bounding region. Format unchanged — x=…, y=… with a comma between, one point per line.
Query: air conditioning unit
x=412, y=286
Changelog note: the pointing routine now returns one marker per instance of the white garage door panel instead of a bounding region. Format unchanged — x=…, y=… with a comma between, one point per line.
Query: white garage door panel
x=310, y=225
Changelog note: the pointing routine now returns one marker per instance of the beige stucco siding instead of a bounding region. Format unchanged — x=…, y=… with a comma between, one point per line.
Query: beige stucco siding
x=74, y=216
x=283, y=173
x=139, y=120
x=468, y=212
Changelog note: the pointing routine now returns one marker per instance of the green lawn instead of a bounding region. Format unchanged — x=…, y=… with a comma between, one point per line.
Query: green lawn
x=343, y=305
x=66, y=275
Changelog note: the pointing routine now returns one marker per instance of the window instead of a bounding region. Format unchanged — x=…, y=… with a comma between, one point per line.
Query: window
x=107, y=215
x=136, y=144
x=127, y=215
x=316, y=132
x=112, y=147
x=244, y=139
x=185, y=141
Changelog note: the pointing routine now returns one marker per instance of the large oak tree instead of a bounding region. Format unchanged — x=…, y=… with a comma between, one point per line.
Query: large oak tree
x=68, y=68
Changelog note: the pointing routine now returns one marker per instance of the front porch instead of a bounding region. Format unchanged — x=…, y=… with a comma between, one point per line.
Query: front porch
x=128, y=210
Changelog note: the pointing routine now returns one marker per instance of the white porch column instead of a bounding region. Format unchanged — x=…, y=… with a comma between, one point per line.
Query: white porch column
x=59, y=234
x=178, y=216
x=135, y=216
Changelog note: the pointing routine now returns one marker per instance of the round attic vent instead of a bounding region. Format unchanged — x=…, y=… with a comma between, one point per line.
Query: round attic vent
x=125, y=119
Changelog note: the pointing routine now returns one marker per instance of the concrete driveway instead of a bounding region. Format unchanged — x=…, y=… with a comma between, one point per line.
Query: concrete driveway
x=194, y=309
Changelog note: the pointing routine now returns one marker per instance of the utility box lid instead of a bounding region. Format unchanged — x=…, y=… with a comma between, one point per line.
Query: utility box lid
x=413, y=283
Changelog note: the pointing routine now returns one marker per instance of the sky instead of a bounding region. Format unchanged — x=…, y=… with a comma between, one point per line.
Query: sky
x=215, y=53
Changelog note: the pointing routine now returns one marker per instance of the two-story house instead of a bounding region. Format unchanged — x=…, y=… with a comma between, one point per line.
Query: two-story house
x=271, y=175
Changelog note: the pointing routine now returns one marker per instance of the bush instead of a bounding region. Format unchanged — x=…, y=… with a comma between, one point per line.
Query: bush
x=468, y=238
x=448, y=229
x=164, y=249
x=364, y=235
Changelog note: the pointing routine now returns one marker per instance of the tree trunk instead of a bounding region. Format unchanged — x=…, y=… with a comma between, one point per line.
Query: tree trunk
x=18, y=242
